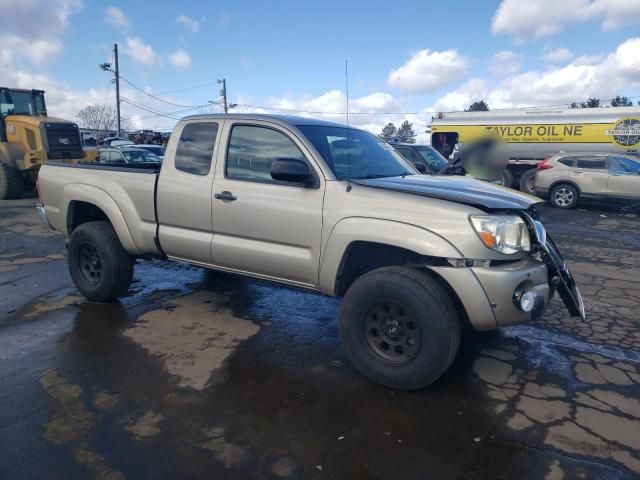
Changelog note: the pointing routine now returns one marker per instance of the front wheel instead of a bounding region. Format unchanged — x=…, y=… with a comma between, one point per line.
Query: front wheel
x=11, y=182
x=400, y=328
x=564, y=196
x=99, y=265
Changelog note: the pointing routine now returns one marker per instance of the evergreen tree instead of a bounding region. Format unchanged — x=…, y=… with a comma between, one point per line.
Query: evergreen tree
x=621, y=102
x=388, y=132
x=406, y=134
x=480, y=106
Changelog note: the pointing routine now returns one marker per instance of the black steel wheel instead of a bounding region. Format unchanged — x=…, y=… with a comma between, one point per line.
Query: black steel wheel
x=392, y=334
x=99, y=265
x=400, y=327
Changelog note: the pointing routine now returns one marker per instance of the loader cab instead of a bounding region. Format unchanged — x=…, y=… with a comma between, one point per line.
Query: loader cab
x=14, y=101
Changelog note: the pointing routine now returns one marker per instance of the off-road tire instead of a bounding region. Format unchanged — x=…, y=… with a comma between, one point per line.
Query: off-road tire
x=527, y=182
x=564, y=196
x=11, y=182
x=425, y=302
x=114, y=264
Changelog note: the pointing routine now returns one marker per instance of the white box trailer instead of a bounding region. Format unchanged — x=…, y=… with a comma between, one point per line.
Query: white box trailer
x=532, y=134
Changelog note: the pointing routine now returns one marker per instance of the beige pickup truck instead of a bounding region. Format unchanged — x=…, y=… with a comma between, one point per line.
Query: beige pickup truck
x=323, y=207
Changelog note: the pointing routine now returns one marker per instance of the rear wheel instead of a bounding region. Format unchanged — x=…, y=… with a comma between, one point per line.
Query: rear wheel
x=528, y=182
x=11, y=182
x=504, y=178
x=564, y=196
x=399, y=327
x=99, y=265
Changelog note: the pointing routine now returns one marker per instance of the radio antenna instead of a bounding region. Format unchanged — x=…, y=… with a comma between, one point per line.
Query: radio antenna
x=346, y=80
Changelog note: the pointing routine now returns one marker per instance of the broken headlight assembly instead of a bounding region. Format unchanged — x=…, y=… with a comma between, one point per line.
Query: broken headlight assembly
x=506, y=234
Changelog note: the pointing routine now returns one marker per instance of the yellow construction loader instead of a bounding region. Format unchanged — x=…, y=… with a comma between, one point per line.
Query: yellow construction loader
x=28, y=138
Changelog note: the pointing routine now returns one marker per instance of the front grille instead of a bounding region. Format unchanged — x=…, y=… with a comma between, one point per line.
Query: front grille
x=63, y=140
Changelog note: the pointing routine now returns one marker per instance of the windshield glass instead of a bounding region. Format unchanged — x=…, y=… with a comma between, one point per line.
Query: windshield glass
x=358, y=155
x=155, y=150
x=434, y=160
x=140, y=156
x=20, y=103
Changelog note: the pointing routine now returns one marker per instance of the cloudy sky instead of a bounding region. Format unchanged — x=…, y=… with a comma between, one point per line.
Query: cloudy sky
x=406, y=60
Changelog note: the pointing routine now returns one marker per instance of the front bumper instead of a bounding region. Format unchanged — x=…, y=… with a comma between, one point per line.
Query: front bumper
x=488, y=293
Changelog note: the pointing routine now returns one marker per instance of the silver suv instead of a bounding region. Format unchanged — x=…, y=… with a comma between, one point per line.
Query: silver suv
x=565, y=179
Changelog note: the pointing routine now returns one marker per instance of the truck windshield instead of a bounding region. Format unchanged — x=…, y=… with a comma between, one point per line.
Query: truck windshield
x=15, y=102
x=354, y=154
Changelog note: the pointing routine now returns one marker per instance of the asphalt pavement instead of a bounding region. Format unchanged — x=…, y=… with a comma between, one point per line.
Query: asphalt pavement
x=198, y=374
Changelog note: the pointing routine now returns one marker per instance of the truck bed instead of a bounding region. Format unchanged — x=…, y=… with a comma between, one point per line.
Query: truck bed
x=128, y=188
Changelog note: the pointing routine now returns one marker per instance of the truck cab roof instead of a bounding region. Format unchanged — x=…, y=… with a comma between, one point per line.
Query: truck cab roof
x=281, y=119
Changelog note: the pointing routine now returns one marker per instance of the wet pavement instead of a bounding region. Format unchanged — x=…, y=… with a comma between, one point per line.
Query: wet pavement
x=206, y=375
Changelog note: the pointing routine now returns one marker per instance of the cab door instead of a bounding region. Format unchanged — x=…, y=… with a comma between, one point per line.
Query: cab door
x=262, y=226
x=183, y=197
x=624, y=178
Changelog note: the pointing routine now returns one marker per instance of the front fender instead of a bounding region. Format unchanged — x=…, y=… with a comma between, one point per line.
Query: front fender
x=388, y=232
x=99, y=198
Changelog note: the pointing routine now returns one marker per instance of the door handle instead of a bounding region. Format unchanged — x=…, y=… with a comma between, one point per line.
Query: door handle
x=225, y=196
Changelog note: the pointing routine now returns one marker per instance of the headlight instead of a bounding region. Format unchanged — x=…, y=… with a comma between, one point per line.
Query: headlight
x=502, y=233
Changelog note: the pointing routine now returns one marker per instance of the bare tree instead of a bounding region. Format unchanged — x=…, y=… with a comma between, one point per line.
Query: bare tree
x=99, y=118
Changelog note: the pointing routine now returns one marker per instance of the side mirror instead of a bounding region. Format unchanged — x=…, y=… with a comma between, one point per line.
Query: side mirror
x=420, y=167
x=291, y=170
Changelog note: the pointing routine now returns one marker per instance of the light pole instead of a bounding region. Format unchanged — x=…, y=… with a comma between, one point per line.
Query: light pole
x=223, y=94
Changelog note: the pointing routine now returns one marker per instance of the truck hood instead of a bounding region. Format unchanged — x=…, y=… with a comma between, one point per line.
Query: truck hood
x=466, y=190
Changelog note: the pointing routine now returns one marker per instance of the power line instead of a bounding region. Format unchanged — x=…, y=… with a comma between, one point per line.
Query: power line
x=181, y=90
x=153, y=96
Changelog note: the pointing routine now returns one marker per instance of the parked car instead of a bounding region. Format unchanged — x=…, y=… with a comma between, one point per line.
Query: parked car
x=566, y=179
x=327, y=208
x=115, y=141
x=424, y=157
x=157, y=150
x=127, y=154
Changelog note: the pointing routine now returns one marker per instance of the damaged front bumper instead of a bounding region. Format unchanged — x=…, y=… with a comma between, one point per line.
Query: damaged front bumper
x=514, y=292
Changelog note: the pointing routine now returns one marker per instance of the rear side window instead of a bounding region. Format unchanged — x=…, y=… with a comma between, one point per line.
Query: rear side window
x=592, y=163
x=195, y=148
x=568, y=161
x=253, y=149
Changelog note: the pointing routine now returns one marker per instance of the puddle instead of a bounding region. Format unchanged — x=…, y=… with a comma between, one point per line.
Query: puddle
x=192, y=335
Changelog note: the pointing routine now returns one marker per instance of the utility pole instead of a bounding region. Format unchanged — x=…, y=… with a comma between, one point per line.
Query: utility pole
x=223, y=94
x=115, y=53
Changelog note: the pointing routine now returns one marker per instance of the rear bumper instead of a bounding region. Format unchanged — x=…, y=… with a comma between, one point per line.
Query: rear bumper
x=489, y=294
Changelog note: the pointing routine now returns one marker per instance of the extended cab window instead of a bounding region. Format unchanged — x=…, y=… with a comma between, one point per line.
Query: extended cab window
x=252, y=149
x=195, y=148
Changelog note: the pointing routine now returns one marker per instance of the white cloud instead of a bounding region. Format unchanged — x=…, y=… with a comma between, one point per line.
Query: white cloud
x=542, y=18
x=141, y=52
x=36, y=18
x=460, y=99
x=39, y=52
x=188, y=23
x=116, y=18
x=180, y=59
x=224, y=18
x=602, y=77
x=427, y=70
x=588, y=59
x=557, y=55
x=505, y=63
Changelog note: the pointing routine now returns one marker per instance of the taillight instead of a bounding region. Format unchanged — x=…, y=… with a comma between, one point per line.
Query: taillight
x=544, y=165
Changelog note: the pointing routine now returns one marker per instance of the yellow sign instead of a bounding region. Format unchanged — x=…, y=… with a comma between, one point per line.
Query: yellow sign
x=625, y=132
